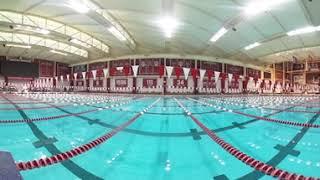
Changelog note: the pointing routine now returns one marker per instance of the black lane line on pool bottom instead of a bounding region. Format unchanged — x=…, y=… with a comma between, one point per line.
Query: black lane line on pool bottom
x=245, y=123
x=284, y=151
x=68, y=164
x=221, y=177
x=155, y=134
x=195, y=134
x=43, y=142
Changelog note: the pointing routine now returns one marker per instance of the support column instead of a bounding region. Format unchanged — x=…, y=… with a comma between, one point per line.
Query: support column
x=164, y=85
x=195, y=85
x=134, y=85
x=108, y=84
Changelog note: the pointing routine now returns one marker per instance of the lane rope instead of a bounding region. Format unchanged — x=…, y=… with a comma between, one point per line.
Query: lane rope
x=42, y=162
x=59, y=116
x=262, y=107
x=258, y=165
x=261, y=118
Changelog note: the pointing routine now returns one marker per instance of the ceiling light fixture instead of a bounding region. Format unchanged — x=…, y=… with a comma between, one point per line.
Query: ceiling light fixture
x=260, y=6
x=78, y=42
x=219, y=34
x=32, y=29
x=116, y=33
x=304, y=30
x=58, y=52
x=18, y=46
x=168, y=25
x=78, y=5
x=251, y=46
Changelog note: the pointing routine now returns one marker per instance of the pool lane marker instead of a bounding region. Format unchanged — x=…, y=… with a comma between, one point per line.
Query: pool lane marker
x=262, y=107
x=30, y=108
x=51, y=148
x=283, y=152
x=260, y=117
x=42, y=162
x=59, y=116
x=258, y=165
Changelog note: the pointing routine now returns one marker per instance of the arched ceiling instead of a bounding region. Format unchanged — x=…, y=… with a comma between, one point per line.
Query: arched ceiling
x=137, y=21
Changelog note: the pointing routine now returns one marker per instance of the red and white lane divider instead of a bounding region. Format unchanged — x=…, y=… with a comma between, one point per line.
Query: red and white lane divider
x=81, y=149
x=30, y=108
x=259, y=117
x=61, y=116
x=258, y=165
x=238, y=103
x=32, y=102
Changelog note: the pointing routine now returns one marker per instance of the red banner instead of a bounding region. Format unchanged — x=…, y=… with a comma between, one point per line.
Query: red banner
x=121, y=82
x=210, y=74
x=147, y=83
x=161, y=70
x=194, y=73
x=46, y=68
x=178, y=71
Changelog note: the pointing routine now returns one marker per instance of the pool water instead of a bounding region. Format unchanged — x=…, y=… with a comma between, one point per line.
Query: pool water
x=163, y=143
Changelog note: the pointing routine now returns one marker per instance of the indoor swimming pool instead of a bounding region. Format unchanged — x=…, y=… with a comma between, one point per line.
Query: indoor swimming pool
x=121, y=137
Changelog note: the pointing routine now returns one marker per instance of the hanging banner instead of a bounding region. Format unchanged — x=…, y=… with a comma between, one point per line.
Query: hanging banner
x=169, y=71
x=194, y=73
x=112, y=71
x=178, y=71
x=61, y=78
x=105, y=72
x=210, y=74
x=230, y=77
x=135, y=70
x=84, y=75
x=216, y=76
x=202, y=73
x=68, y=77
x=126, y=70
x=186, y=73
x=161, y=71
x=94, y=74
x=75, y=76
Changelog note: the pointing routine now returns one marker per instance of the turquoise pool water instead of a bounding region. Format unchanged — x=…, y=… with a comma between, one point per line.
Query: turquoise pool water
x=164, y=143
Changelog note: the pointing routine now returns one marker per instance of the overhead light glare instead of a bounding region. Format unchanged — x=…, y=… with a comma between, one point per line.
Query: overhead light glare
x=117, y=33
x=219, y=34
x=78, y=42
x=58, y=52
x=260, y=6
x=78, y=6
x=168, y=25
x=304, y=30
x=251, y=46
x=18, y=46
